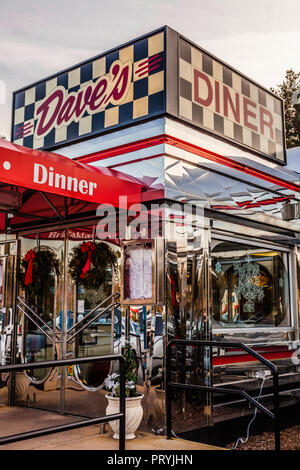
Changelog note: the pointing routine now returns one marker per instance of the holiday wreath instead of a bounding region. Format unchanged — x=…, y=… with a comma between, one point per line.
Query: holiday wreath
x=35, y=273
x=89, y=263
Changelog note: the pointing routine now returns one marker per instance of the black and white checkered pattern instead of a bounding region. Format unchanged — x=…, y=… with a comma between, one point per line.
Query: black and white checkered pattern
x=191, y=58
x=146, y=95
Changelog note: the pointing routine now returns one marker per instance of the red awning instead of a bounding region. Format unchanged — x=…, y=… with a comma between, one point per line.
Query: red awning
x=52, y=173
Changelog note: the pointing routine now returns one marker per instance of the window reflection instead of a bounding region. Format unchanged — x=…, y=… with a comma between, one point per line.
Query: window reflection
x=41, y=286
x=93, y=276
x=250, y=286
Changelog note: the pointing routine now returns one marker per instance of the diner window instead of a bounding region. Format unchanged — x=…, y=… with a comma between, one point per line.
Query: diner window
x=250, y=286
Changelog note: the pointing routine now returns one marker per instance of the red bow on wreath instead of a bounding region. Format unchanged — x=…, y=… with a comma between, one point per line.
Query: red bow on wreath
x=30, y=255
x=87, y=247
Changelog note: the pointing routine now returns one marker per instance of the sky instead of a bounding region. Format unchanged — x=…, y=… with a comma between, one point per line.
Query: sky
x=260, y=38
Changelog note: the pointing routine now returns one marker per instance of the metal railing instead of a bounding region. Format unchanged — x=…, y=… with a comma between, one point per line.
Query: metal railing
x=183, y=386
x=34, y=317
x=87, y=422
x=113, y=304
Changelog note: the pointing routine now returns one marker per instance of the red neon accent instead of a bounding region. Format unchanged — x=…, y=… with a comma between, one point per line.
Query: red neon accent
x=239, y=358
x=201, y=152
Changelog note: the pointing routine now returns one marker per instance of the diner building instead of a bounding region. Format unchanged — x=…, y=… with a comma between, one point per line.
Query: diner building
x=145, y=196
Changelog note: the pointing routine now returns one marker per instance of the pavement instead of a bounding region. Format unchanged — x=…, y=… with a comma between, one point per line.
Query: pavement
x=20, y=419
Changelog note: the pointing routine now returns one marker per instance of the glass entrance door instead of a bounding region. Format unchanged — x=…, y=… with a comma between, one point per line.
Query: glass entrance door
x=7, y=274
x=92, y=293
x=40, y=312
x=67, y=306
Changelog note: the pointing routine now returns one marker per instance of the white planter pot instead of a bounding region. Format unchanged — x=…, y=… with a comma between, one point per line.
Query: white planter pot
x=134, y=414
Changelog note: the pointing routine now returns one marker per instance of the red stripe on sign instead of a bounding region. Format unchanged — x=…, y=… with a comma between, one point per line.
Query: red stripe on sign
x=25, y=125
x=141, y=70
x=21, y=132
x=148, y=60
x=23, y=129
x=149, y=70
x=29, y=132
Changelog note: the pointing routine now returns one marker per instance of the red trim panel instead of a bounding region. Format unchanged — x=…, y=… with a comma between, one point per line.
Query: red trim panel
x=137, y=160
x=240, y=358
x=183, y=145
x=123, y=149
x=229, y=163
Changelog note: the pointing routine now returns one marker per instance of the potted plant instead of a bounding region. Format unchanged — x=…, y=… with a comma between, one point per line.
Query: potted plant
x=134, y=409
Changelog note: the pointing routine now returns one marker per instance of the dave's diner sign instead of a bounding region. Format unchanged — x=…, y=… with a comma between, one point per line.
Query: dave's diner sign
x=220, y=100
x=157, y=74
x=121, y=87
x=60, y=108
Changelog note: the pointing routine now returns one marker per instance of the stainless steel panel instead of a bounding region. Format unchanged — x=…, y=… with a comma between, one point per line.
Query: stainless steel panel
x=227, y=190
x=188, y=317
